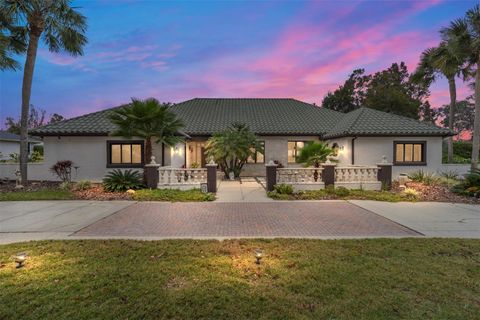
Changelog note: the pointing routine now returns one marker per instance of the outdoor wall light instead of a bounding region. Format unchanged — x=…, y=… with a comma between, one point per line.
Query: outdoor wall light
x=258, y=256
x=20, y=259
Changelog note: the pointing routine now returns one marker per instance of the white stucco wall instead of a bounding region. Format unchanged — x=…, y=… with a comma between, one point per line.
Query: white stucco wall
x=8, y=147
x=369, y=151
x=88, y=153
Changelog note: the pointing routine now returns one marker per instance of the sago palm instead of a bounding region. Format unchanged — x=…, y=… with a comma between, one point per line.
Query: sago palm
x=314, y=154
x=148, y=119
x=60, y=26
x=440, y=61
x=463, y=38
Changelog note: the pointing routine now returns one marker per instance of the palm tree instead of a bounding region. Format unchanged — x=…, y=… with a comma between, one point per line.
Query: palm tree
x=232, y=147
x=60, y=26
x=148, y=119
x=12, y=42
x=463, y=38
x=440, y=61
x=314, y=154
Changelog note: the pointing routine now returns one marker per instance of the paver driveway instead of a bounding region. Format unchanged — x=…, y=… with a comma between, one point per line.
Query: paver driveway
x=261, y=219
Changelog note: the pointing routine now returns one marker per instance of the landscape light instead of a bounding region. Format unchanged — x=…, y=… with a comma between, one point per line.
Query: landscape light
x=20, y=259
x=258, y=256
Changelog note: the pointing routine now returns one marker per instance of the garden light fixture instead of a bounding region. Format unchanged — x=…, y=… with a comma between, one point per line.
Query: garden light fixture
x=20, y=259
x=258, y=256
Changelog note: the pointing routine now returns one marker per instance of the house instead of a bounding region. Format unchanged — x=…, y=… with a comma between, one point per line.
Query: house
x=361, y=137
x=10, y=144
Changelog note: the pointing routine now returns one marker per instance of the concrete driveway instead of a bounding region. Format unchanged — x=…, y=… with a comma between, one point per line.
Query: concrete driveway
x=37, y=220
x=433, y=219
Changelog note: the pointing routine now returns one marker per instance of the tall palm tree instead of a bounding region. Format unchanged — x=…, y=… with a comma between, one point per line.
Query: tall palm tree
x=148, y=119
x=463, y=38
x=441, y=61
x=61, y=27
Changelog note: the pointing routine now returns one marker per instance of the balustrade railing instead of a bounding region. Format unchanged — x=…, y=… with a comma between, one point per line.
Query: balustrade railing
x=299, y=175
x=180, y=176
x=356, y=174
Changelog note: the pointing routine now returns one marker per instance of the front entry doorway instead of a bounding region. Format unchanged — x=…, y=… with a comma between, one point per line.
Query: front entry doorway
x=196, y=154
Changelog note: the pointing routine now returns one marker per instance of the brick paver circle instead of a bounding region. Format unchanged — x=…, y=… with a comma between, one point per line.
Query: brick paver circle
x=278, y=219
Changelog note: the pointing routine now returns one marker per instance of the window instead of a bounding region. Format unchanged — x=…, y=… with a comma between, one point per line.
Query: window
x=258, y=157
x=410, y=152
x=127, y=154
x=294, y=148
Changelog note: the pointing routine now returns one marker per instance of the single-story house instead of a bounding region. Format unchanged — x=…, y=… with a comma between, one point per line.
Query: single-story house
x=362, y=137
x=10, y=144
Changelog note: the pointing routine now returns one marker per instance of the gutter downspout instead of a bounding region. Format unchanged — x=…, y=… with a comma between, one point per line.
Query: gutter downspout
x=353, y=150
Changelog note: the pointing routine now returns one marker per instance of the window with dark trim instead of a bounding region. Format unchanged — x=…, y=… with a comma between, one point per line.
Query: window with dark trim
x=258, y=157
x=125, y=154
x=409, y=152
x=294, y=148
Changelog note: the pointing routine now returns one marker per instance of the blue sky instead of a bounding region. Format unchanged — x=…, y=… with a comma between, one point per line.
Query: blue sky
x=177, y=50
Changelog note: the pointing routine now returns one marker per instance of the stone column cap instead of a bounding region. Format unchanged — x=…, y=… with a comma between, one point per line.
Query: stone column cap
x=271, y=164
x=384, y=164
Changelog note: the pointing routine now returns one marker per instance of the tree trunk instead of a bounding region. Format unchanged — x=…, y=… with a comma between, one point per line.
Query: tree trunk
x=34, y=36
x=451, y=116
x=476, y=125
x=148, y=149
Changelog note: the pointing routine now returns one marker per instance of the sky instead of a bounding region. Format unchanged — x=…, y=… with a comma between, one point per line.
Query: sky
x=179, y=50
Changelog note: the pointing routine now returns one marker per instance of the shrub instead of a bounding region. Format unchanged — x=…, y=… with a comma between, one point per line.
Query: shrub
x=35, y=156
x=63, y=170
x=283, y=189
x=342, y=192
x=83, y=185
x=119, y=181
x=449, y=174
x=417, y=176
x=411, y=194
x=470, y=185
x=38, y=148
x=65, y=185
x=15, y=157
x=330, y=189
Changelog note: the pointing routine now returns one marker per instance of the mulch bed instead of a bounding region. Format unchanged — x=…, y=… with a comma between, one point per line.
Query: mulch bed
x=439, y=193
x=97, y=193
x=8, y=186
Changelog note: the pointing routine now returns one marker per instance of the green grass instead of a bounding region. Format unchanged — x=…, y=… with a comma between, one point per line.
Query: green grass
x=297, y=279
x=173, y=195
x=46, y=194
x=352, y=194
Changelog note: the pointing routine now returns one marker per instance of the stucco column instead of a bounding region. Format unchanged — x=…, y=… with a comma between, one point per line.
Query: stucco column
x=151, y=174
x=328, y=174
x=271, y=175
x=212, y=177
x=384, y=174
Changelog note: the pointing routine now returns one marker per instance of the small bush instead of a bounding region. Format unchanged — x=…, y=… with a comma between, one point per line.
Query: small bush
x=449, y=174
x=35, y=156
x=65, y=185
x=38, y=148
x=470, y=185
x=283, y=189
x=63, y=170
x=278, y=196
x=83, y=185
x=342, y=192
x=411, y=194
x=417, y=176
x=120, y=181
x=330, y=189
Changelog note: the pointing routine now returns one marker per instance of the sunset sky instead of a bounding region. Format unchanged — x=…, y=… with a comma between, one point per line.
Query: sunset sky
x=180, y=50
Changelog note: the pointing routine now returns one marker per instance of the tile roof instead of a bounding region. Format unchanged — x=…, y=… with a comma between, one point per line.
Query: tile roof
x=370, y=122
x=204, y=116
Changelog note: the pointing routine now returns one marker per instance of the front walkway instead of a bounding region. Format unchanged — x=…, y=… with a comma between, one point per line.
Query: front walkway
x=246, y=190
x=433, y=219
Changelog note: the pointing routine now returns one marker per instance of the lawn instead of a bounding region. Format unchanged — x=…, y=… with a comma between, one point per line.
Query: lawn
x=172, y=195
x=297, y=279
x=344, y=194
x=45, y=194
